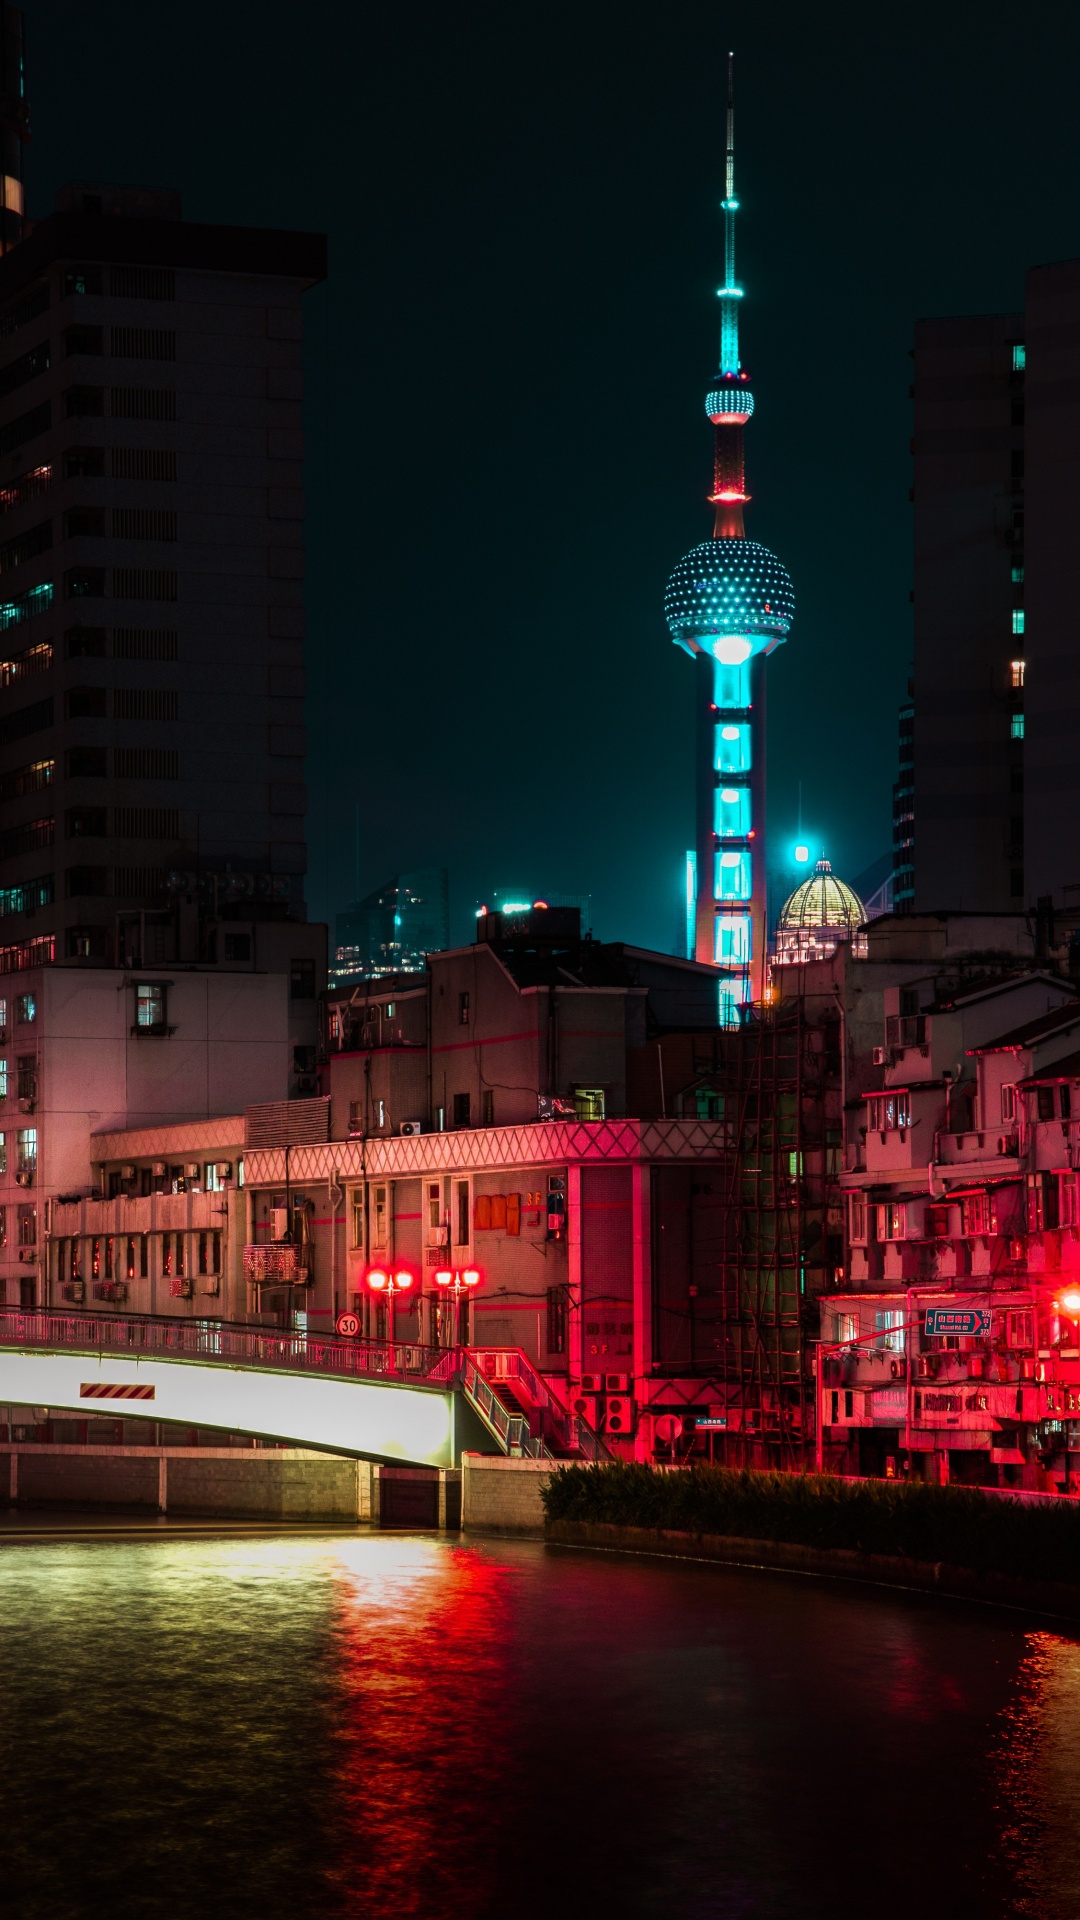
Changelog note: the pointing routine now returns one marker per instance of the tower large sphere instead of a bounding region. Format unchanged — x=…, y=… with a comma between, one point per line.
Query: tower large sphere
x=729, y=591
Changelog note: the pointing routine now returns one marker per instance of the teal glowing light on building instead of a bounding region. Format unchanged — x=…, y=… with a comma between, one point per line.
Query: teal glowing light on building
x=729, y=604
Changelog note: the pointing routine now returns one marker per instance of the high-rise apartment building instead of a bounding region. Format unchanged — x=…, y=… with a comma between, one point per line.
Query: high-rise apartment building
x=151, y=685
x=997, y=663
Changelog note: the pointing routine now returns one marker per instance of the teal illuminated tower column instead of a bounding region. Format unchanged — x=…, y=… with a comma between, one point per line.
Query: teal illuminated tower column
x=729, y=603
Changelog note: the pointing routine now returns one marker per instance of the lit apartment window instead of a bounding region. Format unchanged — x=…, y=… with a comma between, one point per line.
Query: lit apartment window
x=976, y=1214
x=150, y=1006
x=889, y=1326
x=1008, y=1102
x=1016, y=672
x=589, y=1103
x=26, y=1146
x=3, y=1079
x=380, y=1215
x=3, y=1152
x=462, y=1196
x=25, y=1008
x=937, y=1223
x=1018, y=625
x=889, y=1112
x=28, y=1226
x=357, y=1210
x=846, y=1329
x=892, y=1221
x=1019, y=356
x=1016, y=729
x=434, y=1204
x=857, y=1217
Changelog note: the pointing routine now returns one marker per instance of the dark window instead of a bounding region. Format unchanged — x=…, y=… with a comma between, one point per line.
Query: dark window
x=1065, y=1102
x=143, y=463
x=146, y=763
x=158, y=823
x=86, y=643
x=83, y=881
x=87, y=943
x=84, y=523
x=15, y=726
x=238, y=946
x=487, y=1108
x=909, y=1000
x=84, y=463
x=85, y=703
x=302, y=980
x=84, y=403
x=1045, y=1101
x=26, y=427
x=144, y=523
x=18, y=313
x=145, y=703
x=462, y=1109
x=142, y=343
x=145, y=643
x=85, y=279
x=84, y=583
x=303, y=1059
x=83, y=339
x=26, y=546
x=1016, y=883
x=144, y=583
x=26, y=367
x=142, y=283
x=556, y=1320
x=463, y=1009
x=86, y=763
x=86, y=823
x=143, y=403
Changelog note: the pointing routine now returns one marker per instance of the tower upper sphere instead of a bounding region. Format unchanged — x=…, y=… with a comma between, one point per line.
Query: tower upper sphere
x=731, y=598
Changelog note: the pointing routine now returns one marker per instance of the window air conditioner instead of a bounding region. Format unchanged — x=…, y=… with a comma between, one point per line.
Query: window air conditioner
x=881, y=1056
x=619, y=1413
x=158, y=1167
x=438, y=1237
x=410, y=1128
x=592, y=1383
x=180, y=1289
x=127, y=1173
x=584, y=1405
x=224, y=1170
x=616, y=1382
x=192, y=1172
x=24, y=1179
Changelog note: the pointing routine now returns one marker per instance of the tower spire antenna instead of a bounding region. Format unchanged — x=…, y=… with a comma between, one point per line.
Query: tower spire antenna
x=730, y=292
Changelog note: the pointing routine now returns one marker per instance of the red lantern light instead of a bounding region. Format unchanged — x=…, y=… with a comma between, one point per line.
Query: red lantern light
x=402, y=1280
x=444, y=1279
x=471, y=1277
x=378, y=1279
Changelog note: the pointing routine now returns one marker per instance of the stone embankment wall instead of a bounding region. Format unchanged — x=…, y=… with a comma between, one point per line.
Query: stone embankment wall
x=502, y=1496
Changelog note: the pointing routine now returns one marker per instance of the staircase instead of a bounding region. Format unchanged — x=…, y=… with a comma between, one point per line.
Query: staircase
x=520, y=1410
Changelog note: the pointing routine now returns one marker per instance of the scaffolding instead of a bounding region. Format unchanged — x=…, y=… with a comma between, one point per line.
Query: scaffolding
x=779, y=1226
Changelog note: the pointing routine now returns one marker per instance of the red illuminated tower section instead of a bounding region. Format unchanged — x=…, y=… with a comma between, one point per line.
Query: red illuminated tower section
x=729, y=603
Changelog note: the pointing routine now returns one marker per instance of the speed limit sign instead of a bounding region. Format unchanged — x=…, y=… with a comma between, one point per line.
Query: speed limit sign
x=348, y=1324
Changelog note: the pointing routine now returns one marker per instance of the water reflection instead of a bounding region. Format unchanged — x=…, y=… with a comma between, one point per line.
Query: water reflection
x=421, y=1638
x=377, y=1726
x=1039, y=1779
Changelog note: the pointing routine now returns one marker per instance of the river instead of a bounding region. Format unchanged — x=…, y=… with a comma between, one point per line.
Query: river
x=399, y=1725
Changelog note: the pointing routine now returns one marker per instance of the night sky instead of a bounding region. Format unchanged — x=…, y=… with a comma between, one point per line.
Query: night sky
x=507, y=443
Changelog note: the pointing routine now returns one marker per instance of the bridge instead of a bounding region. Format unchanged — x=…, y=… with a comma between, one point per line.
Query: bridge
x=375, y=1400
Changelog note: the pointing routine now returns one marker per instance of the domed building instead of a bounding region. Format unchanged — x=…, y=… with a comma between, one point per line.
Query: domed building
x=813, y=921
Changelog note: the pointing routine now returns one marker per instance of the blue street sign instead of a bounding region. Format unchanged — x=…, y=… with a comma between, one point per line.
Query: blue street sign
x=970, y=1321
x=711, y=1420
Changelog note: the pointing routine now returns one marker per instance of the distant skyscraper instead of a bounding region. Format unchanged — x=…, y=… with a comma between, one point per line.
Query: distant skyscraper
x=729, y=603
x=151, y=684
x=393, y=929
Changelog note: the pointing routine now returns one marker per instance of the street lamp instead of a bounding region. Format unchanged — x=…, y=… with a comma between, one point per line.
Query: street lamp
x=457, y=1283
x=383, y=1281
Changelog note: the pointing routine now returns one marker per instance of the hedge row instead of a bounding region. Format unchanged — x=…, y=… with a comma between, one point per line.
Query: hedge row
x=958, y=1525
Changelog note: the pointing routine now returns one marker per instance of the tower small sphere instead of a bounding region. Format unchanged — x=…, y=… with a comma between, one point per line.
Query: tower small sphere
x=729, y=406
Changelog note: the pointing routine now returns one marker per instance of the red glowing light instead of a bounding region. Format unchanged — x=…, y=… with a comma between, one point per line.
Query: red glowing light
x=540, y=903
x=444, y=1279
x=730, y=494
x=403, y=1280
x=471, y=1277
x=378, y=1279
x=1069, y=1303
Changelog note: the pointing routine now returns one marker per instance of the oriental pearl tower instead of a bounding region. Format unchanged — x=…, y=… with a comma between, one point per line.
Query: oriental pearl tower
x=729, y=603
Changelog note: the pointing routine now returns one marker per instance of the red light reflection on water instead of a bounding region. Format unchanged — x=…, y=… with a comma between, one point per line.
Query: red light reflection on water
x=1037, y=1766
x=423, y=1721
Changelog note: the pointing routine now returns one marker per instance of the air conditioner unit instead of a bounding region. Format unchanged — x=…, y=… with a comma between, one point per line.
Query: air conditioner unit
x=181, y=1289
x=616, y=1382
x=279, y=1222
x=592, y=1383
x=26, y=1104
x=881, y=1056
x=210, y=1283
x=438, y=1237
x=1006, y=1143
x=410, y=1128
x=224, y=1170
x=584, y=1405
x=127, y=1173
x=24, y=1179
x=75, y=1290
x=619, y=1413
x=28, y=1254
x=191, y=1172
x=158, y=1167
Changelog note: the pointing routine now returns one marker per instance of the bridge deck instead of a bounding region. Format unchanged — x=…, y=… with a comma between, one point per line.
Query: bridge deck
x=376, y=1400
